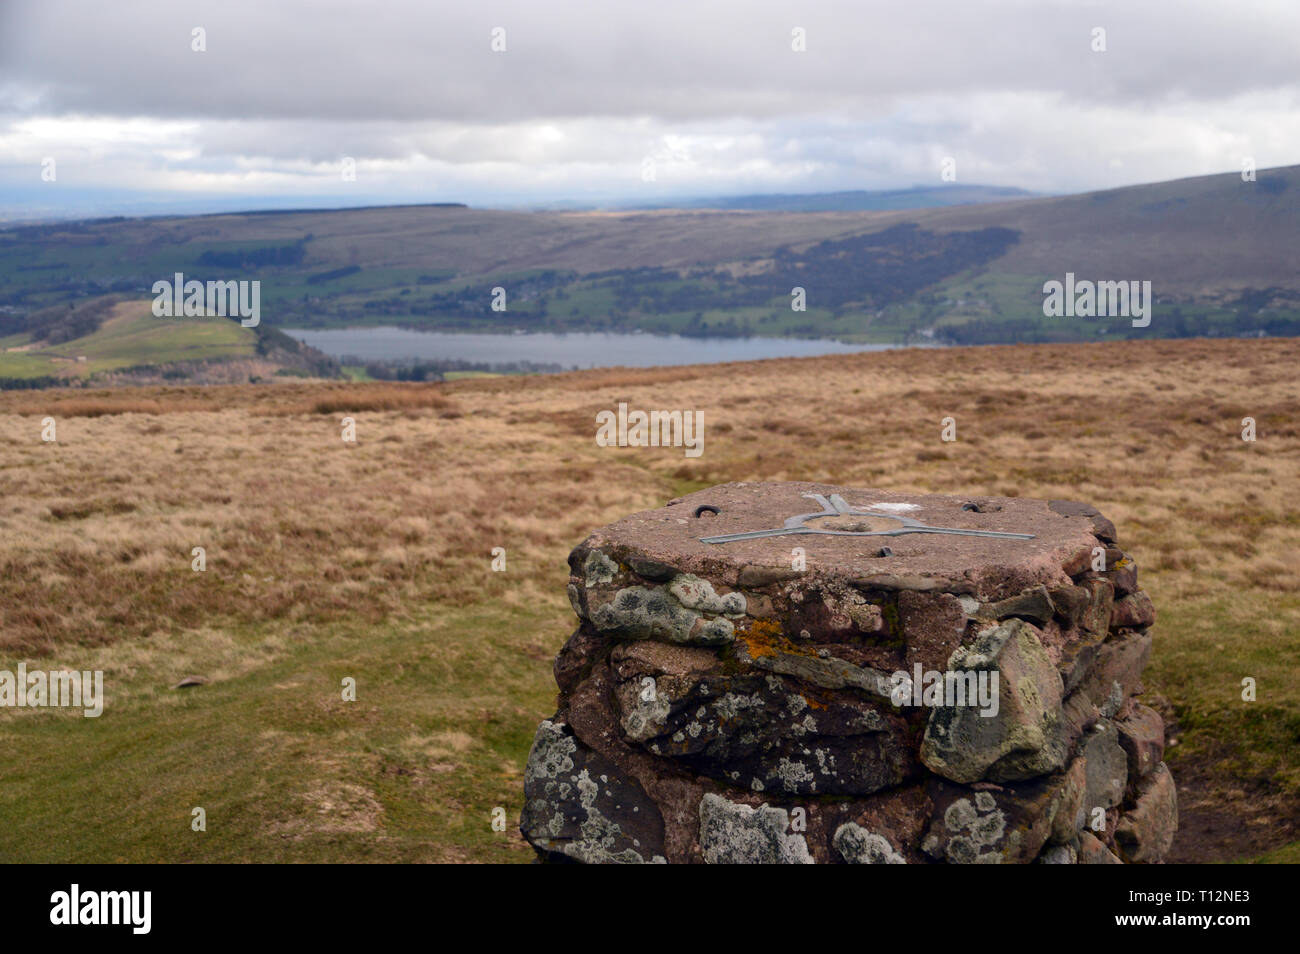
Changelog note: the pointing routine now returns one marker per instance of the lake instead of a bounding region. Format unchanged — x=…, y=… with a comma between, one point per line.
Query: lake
x=572, y=350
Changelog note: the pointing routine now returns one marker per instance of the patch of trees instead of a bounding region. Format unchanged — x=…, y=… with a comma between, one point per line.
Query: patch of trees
x=412, y=369
x=981, y=331
x=78, y=288
x=262, y=257
x=277, y=345
x=1256, y=299
x=1170, y=323
x=32, y=384
x=879, y=268
x=59, y=323
x=728, y=327
x=333, y=274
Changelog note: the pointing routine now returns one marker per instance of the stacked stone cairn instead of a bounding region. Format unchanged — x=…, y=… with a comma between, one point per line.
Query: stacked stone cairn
x=738, y=702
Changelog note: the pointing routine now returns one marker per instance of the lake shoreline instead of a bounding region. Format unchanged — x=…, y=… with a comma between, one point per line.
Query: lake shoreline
x=573, y=350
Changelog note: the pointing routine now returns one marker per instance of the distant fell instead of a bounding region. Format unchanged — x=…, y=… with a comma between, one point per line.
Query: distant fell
x=858, y=200
x=1218, y=252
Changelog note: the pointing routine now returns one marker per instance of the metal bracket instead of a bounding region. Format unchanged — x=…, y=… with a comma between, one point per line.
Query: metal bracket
x=835, y=506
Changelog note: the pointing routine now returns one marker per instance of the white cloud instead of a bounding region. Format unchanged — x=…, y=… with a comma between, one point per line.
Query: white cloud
x=585, y=93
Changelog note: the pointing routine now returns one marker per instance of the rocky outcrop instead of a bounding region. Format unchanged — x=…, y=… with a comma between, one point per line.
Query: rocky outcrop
x=846, y=697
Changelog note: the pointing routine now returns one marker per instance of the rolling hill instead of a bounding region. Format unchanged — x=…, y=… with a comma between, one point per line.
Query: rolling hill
x=917, y=197
x=130, y=344
x=1218, y=251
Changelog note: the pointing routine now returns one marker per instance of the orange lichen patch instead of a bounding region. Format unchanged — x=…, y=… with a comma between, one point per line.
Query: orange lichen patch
x=755, y=647
x=765, y=637
x=762, y=628
x=814, y=702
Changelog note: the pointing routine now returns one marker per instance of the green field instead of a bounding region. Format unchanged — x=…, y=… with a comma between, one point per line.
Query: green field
x=130, y=338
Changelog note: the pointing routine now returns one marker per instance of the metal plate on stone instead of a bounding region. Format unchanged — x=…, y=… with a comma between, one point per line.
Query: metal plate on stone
x=838, y=518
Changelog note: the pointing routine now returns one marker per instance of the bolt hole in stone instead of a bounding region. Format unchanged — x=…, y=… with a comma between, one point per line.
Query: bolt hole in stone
x=884, y=552
x=706, y=510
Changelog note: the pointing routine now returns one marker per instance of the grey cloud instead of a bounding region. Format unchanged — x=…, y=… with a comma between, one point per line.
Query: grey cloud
x=587, y=90
x=671, y=60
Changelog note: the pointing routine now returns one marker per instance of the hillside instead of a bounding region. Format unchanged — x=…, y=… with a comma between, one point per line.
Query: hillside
x=1218, y=252
x=131, y=345
x=917, y=197
x=373, y=559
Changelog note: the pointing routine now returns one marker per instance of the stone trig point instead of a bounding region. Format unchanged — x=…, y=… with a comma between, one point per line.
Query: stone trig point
x=797, y=673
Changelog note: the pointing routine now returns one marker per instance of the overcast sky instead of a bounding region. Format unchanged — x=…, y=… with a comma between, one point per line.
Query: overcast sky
x=604, y=99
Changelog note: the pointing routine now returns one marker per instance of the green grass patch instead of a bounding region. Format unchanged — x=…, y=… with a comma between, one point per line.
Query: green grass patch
x=1222, y=641
x=1286, y=855
x=286, y=770
x=132, y=336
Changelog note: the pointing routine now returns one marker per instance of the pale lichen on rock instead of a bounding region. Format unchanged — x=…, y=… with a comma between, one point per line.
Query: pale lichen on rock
x=738, y=834
x=857, y=846
x=1026, y=736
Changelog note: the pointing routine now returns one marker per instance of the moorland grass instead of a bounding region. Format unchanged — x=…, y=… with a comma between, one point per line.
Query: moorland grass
x=327, y=559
